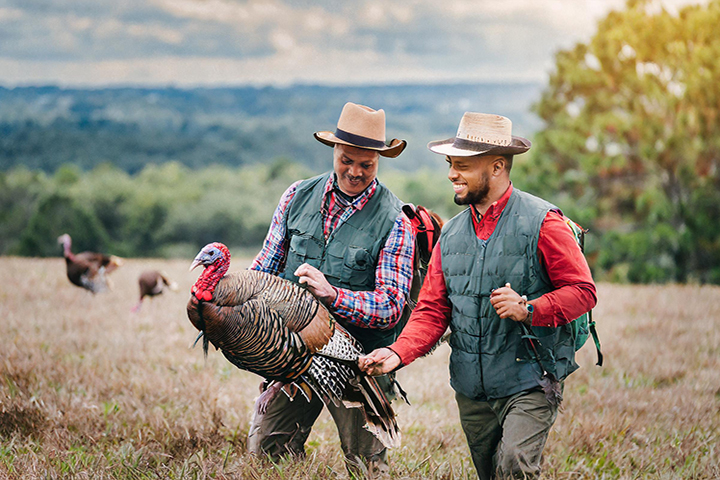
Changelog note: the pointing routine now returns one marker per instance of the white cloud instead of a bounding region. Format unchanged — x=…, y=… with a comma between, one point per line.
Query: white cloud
x=166, y=35
x=283, y=41
x=211, y=10
x=79, y=24
x=304, y=65
x=7, y=14
x=187, y=42
x=384, y=14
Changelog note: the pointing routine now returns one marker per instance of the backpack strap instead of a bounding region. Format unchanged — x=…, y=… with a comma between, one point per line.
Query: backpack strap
x=427, y=230
x=596, y=339
x=579, y=233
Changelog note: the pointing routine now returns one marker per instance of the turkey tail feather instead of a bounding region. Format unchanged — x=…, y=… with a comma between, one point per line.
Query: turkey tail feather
x=379, y=414
x=335, y=380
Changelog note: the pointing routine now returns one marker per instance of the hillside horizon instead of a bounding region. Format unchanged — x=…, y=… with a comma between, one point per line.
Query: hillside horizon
x=46, y=126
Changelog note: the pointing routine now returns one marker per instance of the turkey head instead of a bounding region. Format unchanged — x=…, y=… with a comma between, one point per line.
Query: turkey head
x=215, y=257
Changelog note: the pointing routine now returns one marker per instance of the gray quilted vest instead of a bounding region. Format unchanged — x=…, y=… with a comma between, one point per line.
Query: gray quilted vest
x=349, y=257
x=490, y=359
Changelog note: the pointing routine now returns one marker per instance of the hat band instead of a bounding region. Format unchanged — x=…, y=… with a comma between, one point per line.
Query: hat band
x=358, y=140
x=463, y=144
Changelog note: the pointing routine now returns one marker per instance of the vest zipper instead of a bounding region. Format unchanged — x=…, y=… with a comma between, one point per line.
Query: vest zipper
x=480, y=265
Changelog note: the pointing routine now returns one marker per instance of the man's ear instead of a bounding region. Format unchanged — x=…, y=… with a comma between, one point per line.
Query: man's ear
x=498, y=165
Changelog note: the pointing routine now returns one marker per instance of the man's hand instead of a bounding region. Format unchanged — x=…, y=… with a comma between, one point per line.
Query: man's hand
x=316, y=283
x=509, y=304
x=379, y=362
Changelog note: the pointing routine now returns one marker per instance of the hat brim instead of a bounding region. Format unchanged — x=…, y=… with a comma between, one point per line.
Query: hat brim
x=393, y=150
x=447, y=147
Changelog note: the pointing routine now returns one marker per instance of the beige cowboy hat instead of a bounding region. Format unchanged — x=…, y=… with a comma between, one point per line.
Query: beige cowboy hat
x=363, y=127
x=482, y=134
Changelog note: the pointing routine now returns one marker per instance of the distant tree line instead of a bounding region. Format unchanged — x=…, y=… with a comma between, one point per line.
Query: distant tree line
x=166, y=210
x=43, y=128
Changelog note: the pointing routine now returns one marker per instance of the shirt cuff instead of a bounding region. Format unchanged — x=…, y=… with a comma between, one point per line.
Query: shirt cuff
x=337, y=302
x=402, y=364
x=543, y=314
x=404, y=353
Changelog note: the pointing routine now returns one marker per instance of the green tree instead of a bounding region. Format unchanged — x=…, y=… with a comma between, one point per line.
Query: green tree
x=20, y=190
x=631, y=143
x=58, y=213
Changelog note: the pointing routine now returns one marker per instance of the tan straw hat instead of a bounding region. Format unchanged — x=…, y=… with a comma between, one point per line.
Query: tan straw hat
x=482, y=134
x=362, y=127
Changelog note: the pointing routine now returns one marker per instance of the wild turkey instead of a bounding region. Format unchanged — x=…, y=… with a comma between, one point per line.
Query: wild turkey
x=88, y=269
x=277, y=329
x=152, y=283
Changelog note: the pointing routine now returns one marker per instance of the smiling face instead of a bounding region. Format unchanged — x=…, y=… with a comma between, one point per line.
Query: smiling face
x=355, y=168
x=470, y=177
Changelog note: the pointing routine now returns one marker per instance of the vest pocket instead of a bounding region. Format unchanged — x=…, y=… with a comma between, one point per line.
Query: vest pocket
x=358, y=267
x=303, y=246
x=298, y=247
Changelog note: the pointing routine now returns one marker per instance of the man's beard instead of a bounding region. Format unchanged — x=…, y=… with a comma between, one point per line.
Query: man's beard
x=477, y=196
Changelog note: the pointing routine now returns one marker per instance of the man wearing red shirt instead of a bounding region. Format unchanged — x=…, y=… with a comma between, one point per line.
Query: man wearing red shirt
x=506, y=267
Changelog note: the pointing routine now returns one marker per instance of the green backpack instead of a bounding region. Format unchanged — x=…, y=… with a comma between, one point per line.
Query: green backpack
x=584, y=325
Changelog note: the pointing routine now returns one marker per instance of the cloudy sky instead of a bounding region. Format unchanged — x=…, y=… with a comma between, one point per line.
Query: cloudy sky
x=231, y=42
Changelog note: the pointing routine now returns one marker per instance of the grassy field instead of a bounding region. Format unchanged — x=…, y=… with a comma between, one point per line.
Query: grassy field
x=90, y=390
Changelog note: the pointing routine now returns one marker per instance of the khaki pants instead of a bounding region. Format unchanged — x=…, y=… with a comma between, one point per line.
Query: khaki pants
x=507, y=436
x=286, y=425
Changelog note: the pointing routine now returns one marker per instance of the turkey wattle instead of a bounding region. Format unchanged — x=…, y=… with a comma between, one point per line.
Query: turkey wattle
x=277, y=329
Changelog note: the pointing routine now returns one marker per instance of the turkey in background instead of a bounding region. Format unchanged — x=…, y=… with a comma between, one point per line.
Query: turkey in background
x=88, y=269
x=275, y=328
x=153, y=282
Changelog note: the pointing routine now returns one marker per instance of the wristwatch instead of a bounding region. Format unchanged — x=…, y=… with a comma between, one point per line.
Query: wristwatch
x=530, y=310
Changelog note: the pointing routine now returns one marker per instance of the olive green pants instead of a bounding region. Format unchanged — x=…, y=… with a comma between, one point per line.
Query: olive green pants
x=286, y=425
x=507, y=436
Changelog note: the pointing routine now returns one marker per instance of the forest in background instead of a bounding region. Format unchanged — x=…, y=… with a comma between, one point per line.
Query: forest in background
x=43, y=128
x=167, y=210
x=626, y=142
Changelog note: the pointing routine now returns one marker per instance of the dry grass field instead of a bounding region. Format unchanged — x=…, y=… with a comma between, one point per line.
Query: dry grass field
x=90, y=390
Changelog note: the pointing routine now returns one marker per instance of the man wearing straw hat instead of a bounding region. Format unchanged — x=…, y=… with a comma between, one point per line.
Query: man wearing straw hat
x=507, y=277
x=343, y=235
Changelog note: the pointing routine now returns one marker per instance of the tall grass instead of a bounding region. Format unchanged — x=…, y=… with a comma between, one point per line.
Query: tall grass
x=90, y=390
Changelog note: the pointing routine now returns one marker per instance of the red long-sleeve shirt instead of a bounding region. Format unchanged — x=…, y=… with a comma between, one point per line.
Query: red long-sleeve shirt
x=560, y=255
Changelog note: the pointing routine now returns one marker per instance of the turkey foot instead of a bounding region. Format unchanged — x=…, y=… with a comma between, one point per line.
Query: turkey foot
x=266, y=397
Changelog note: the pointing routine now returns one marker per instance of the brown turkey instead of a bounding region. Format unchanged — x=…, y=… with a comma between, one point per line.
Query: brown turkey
x=151, y=283
x=88, y=269
x=277, y=329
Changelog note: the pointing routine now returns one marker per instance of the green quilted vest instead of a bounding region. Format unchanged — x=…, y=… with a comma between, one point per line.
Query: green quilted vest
x=349, y=257
x=490, y=359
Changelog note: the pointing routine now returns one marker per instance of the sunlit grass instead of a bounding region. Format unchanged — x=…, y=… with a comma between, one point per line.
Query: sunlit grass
x=90, y=390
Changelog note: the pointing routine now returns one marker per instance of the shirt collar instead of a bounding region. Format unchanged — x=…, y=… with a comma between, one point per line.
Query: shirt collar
x=495, y=210
x=358, y=201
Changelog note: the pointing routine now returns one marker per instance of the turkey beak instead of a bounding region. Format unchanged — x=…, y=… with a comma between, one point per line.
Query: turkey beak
x=196, y=262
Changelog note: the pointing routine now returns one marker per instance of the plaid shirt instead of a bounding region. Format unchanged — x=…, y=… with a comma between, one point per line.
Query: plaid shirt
x=380, y=308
